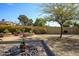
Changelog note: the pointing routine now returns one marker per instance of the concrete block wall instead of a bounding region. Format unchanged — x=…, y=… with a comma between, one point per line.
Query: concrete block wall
x=57, y=30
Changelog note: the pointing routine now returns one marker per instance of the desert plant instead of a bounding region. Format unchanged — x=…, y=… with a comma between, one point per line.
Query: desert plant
x=6, y=31
x=18, y=31
x=60, y=13
x=40, y=30
x=27, y=29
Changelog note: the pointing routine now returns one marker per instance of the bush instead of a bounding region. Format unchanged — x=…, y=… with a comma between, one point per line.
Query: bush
x=18, y=29
x=40, y=30
x=23, y=30
x=6, y=31
x=12, y=30
x=1, y=30
x=65, y=31
x=27, y=29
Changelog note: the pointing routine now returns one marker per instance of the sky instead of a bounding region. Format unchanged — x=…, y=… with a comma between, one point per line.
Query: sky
x=11, y=11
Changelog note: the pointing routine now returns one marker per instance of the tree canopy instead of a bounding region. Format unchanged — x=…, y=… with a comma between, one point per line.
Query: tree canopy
x=40, y=22
x=61, y=12
x=24, y=20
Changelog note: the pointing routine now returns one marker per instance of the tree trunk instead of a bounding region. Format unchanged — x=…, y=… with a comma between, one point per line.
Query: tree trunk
x=61, y=31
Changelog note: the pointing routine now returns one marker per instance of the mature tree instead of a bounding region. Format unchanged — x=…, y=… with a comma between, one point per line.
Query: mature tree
x=40, y=22
x=75, y=24
x=30, y=22
x=3, y=20
x=61, y=12
x=25, y=21
x=67, y=24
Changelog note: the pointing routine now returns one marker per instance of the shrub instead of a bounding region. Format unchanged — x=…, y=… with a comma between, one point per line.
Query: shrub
x=65, y=31
x=6, y=31
x=40, y=30
x=12, y=30
x=18, y=31
x=23, y=30
x=1, y=30
x=27, y=29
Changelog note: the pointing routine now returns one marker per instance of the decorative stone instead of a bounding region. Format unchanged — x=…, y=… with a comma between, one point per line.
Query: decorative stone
x=30, y=48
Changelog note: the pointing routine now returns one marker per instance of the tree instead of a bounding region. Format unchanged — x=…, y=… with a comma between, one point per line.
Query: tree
x=30, y=22
x=67, y=24
x=25, y=21
x=61, y=12
x=40, y=22
x=76, y=24
x=3, y=20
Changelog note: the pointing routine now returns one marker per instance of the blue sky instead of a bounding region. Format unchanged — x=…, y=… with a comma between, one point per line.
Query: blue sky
x=11, y=11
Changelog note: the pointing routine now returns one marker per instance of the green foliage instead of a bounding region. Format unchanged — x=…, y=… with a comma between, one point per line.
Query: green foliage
x=3, y=20
x=30, y=31
x=40, y=22
x=24, y=20
x=40, y=30
x=12, y=30
x=61, y=13
x=76, y=24
x=23, y=30
x=27, y=29
x=6, y=31
x=1, y=30
x=18, y=29
x=30, y=22
x=67, y=24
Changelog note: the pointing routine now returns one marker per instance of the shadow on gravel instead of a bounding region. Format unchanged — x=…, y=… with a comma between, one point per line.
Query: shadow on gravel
x=48, y=51
x=45, y=45
x=64, y=45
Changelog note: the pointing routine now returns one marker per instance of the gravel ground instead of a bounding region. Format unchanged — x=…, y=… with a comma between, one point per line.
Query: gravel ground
x=67, y=46
x=36, y=49
x=10, y=38
x=64, y=46
x=35, y=37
